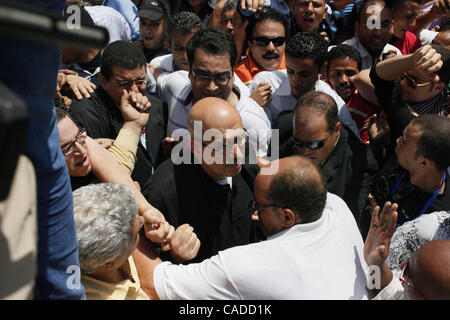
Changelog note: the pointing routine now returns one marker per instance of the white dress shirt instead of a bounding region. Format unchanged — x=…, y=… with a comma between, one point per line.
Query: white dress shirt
x=318, y=260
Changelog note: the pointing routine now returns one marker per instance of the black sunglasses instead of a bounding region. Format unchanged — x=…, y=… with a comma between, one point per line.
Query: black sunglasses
x=313, y=145
x=264, y=41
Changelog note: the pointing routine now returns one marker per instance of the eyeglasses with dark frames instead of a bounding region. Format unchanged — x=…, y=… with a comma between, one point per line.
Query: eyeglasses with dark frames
x=264, y=41
x=239, y=140
x=412, y=83
x=253, y=207
x=218, y=78
x=127, y=83
x=312, y=145
x=69, y=148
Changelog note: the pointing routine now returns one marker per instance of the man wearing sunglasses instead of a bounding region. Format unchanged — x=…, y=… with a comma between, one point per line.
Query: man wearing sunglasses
x=266, y=40
x=305, y=55
x=346, y=164
x=123, y=68
x=418, y=154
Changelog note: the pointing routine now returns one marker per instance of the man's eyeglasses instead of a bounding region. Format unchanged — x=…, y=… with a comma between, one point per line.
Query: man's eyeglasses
x=264, y=41
x=313, y=145
x=412, y=83
x=239, y=140
x=219, y=78
x=407, y=283
x=68, y=148
x=253, y=206
x=127, y=84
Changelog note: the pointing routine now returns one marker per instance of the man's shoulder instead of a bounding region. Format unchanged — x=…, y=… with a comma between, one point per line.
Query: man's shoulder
x=275, y=78
x=164, y=62
x=177, y=82
x=97, y=102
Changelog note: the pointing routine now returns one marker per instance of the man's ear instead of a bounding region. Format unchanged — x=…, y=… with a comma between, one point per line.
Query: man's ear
x=289, y=217
x=439, y=87
x=106, y=267
x=338, y=127
x=103, y=80
x=424, y=162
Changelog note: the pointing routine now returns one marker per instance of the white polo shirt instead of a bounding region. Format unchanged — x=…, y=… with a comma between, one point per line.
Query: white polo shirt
x=282, y=99
x=176, y=91
x=319, y=260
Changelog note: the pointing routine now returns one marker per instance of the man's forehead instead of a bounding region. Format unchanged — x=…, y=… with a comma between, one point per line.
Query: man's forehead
x=122, y=72
x=321, y=2
x=205, y=58
x=343, y=63
x=300, y=63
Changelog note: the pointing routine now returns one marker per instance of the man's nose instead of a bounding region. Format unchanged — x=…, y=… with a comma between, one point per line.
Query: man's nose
x=309, y=7
x=270, y=46
x=212, y=86
x=134, y=87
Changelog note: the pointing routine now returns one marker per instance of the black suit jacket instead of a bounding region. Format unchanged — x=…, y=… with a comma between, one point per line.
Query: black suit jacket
x=101, y=117
x=348, y=172
x=186, y=194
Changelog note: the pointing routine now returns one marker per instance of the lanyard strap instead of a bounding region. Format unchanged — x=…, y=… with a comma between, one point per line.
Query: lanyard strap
x=430, y=200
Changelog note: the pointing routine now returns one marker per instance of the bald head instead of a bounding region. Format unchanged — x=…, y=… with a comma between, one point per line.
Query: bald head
x=214, y=113
x=429, y=269
x=298, y=185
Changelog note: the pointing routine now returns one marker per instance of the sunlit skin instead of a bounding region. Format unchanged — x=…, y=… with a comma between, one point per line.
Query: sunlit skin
x=178, y=49
x=309, y=14
x=339, y=72
x=214, y=113
x=311, y=126
x=152, y=32
x=302, y=74
x=267, y=58
x=112, y=86
x=404, y=18
x=210, y=64
x=371, y=36
x=407, y=146
x=78, y=162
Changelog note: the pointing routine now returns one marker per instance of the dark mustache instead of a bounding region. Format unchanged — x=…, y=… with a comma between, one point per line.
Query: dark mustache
x=271, y=55
x=344, y=85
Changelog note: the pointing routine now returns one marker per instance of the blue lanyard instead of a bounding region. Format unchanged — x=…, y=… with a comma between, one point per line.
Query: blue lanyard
x=430, y=200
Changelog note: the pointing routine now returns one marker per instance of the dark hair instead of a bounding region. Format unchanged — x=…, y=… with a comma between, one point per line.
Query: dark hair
x=323, y=104
x=299, y=189
x=363, y=6
x=444, y=72
x=268, y=14
x=344, y=51
x=309, y=44
x=183, y=22
x=61, y=114
x=121, y=54
x=434, y=142
x=214, y=41
x=398, y=3
x=85, y=17
x=445, y=25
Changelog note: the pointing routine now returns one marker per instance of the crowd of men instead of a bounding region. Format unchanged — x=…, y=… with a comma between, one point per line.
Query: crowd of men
x=237, y=149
